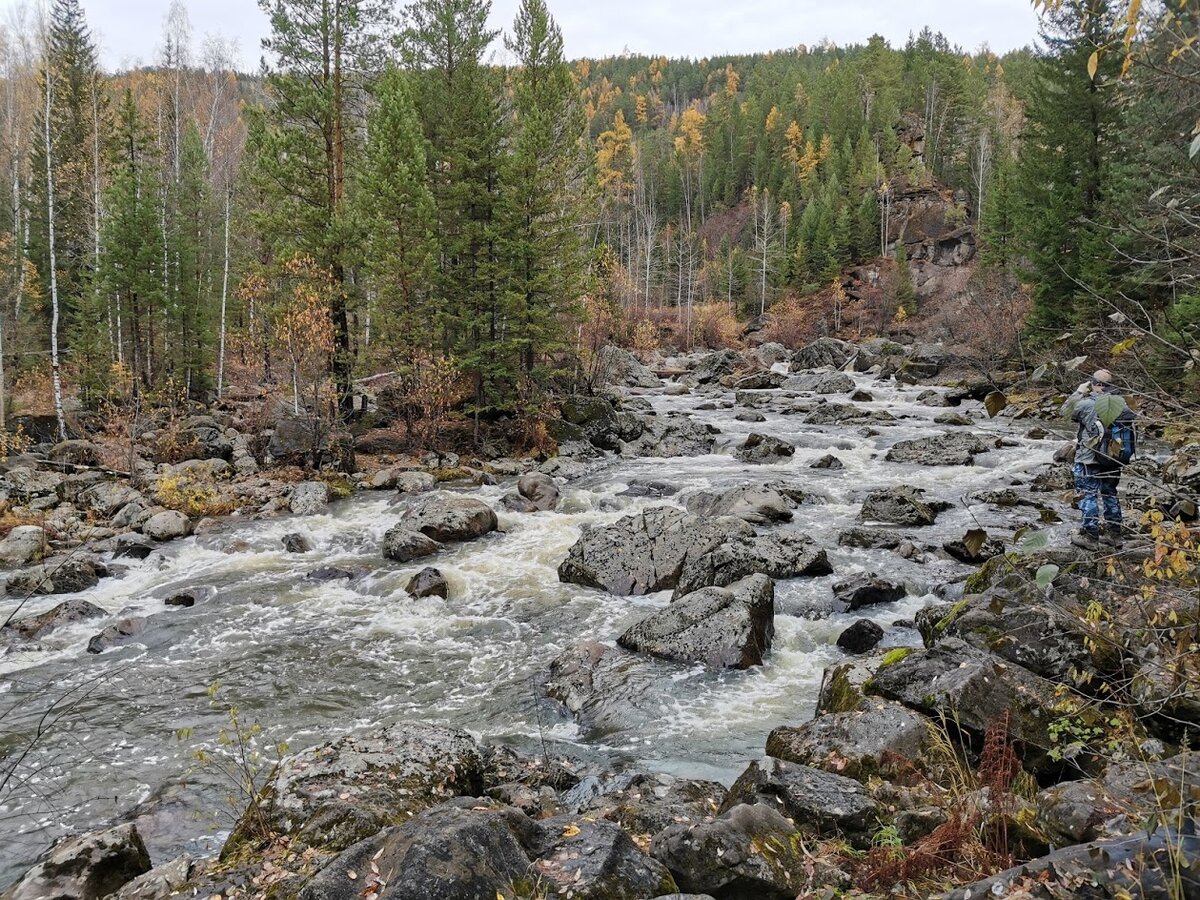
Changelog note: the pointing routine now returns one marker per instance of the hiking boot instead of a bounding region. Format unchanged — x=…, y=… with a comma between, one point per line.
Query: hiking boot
x=1086, y=540
x=1112, y=536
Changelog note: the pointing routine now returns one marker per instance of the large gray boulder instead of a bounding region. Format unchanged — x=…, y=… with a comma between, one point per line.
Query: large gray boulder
x=645, y=551
x=75, y=453
x=721, y=627
x=845, y=414
x=807, y=796
x=536, y=492
x=167, y=526
x=592, y=419
x=751, y=852
x=758, y=504
x=86, y=867
x=604, y=688
x=199, y=437
x=764, y=448
x=26, y=482
x=671, y=437
x=117, y=634
x=594, y=860
x=69, y=612
x=620, y=367
x=823, y=352
x=834, y=383
x=715, y=365
x=24, y=544
x=881, y=739
x=447, y=517
x=107, y=497
x=780, y=555
x=61, y=575
x=866, y=589
x=429, y=582
x=402, y=544
x=897, y=506
x=309, y=498
x=955, y=449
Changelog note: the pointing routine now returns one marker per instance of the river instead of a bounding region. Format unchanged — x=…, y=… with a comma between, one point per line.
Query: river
x=309, y=661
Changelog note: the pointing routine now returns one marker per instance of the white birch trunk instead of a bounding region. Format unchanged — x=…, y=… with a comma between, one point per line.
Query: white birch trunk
x=55, y=374
x=224, y=296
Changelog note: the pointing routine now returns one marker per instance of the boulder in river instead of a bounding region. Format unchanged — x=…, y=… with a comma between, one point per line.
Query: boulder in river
x=780, y=555
x=721, y=627
x=822, y=352
x=861, y=636
x=845, y=413
x=672, y=437
x=447, y=517
x=758, y=504
x=866, y=589
x=897, y=506
x=834, y=383
x=429, y=582
x=713, y=366
x=621, y=367
x=828, y=461
x=295, y=542
x=166, y=525
x=536, y=492
x=60, y=575
x=309, y=498
x=764, y=448
x=120, y=632
x=402, y=544
x=955, y=449
x=85, y=867
x=414, y=482
x=644, y=552
x=69, y=612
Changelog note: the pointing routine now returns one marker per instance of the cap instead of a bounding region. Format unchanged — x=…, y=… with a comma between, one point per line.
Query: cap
x=1102, y=376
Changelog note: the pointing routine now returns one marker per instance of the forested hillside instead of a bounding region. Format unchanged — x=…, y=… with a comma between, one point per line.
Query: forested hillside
x=382, y=198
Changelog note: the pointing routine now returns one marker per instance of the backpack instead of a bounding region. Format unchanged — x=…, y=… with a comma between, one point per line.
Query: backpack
x=1117, y=444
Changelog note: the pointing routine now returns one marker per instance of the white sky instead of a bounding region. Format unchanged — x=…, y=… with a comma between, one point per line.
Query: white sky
x=130, y=31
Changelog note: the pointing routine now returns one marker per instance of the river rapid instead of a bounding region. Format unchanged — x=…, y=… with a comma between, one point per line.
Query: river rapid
x=309, y=661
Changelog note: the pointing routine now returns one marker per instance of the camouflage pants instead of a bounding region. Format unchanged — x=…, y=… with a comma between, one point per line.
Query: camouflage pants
x=1097, y=489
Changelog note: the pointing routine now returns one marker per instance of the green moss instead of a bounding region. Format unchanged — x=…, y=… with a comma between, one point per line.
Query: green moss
x=894, y=656
x=955, y=611
x=985, y=576
x=448, y=473
x=339, y=488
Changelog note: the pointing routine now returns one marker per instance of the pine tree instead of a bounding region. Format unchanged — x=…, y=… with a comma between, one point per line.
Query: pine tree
x=400, y=216
x=543, y=180
x=998, y=228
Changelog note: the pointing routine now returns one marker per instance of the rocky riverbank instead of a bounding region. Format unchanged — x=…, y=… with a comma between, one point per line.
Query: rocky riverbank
x=998, y=717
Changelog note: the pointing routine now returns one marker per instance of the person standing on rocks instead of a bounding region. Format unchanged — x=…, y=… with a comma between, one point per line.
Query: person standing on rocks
x=1098, y=461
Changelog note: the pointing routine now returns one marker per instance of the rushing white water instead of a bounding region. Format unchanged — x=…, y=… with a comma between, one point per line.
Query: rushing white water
x=312, y=660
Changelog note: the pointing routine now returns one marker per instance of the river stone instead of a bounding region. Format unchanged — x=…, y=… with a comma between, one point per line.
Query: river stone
x=446, y=517
x=750, y=415
x=69, y=612
x=672, y=437
x=844, y=685
x=75, y=452
x=749, y=853
x=131, y=545
x=593, y=419
x=897, y=506
x=308, y=498
x=715, y=365
x=822, y=352
x=462, y=850
x=295, y=542
x=166, y=525
x=834, y=383
x=429, y=582
x=721, y=627
x=536, y=492
x=764, y=448
x=328, y=573
x=199, y=437
x=646, y=804
x=884, y=738
x=644, y=552
x=860, y=637
x=414, y=482
x=86, y=867
x=870, y=538
x=593, y=860
x=620, y=367
x=759, y=381
x=606, y=689
x=975, y=689
x=844, y=413
x=67, y=575
x=780, y=555
x=160, y=882
x=956, y=449
x=24, y=544
x=402, y=544
x=339, y=793
x=806, y=795
x=108, y=497
x=756, y=504
x=121, y=632
x=73, y=485
x=182, y=599
x=828, y=461
x=26, y=482
x=866, y=589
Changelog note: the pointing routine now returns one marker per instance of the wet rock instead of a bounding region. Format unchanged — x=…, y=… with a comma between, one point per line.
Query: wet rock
x=160, y=882
x=334, y=795
x=402, y=544
x=845, y=413
x=607, y=689
x=621, y=367
x=750, y=416
x=770, y=353
x=594, y=860
x=647, y=804
x=429, y=582
x=828, y=461
x=756, y=504
x=955, y=449
x=713, y=366
x=1121, y=802
x=807, y=796
x=132, y=546
x=822, y=352
x=69, y=612
x=870, y=538
x=763, y=448
x=860, y=637
x=309, y=498
x=975, y=689
x=1143, y=865
x=86, y=867
x=883, y=738
x=107, y=497
x=414, y=482
x=834, y=383
x=749, y=853
x=779, y=555
x=75, y=452
x=295, y=542
x=649, y=487
x=958, y=549
x=645, y=551
x=67, y=575
x=923, y=362
x=328, y=573
x=933, y=398
x=592, y=419
x=867, y=590
x=668, y=438
x=536, y=492
x=24, y=544
x=446, y=517
x=759, y=381
x=677, y=389
x=953, y=418
x=721, y=627
x=166, y=526
x=118, y=633
x=897, y=506
x=182, y=599
x=861, y=396
x=844, y=685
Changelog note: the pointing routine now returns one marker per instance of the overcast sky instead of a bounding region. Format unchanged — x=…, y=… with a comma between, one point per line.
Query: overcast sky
x=129, y=31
